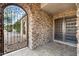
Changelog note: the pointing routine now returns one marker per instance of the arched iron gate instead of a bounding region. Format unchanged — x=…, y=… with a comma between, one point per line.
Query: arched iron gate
x=13, y=28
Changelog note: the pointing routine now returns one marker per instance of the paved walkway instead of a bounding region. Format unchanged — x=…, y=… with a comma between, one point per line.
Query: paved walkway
x=50, y=49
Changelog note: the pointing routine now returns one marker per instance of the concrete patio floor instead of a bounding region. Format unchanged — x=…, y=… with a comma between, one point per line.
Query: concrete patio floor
x=50, y=49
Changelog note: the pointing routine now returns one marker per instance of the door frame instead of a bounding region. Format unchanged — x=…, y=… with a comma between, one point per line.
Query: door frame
x=26, y=27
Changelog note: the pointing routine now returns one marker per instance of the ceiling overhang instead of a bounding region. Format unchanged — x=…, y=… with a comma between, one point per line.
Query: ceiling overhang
x=53, y=8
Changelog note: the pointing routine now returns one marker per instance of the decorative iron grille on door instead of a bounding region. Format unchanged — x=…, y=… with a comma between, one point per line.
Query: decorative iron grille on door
x=65, y=29
x=58, y=29
x=13, y=39
x=71, y=30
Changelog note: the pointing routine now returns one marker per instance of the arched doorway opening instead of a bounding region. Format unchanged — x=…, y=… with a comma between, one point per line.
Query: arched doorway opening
x=14, y=36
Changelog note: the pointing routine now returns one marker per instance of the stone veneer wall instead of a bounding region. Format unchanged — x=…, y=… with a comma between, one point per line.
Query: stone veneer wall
x=41, y=28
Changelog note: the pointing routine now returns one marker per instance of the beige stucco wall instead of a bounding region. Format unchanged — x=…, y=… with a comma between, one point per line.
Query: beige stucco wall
x=77, y=13
x=66, y=13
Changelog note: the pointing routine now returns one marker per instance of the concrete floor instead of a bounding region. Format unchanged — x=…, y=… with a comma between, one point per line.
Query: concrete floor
x=50, y=49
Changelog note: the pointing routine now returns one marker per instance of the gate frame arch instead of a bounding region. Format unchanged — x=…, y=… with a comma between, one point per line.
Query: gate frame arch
x=2, y=13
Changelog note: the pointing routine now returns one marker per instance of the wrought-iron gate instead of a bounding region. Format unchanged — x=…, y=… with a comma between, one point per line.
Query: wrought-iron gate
x=13, y=38
x=65, y=29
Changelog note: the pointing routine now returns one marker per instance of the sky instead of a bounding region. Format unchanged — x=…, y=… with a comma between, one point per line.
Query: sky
x=14, y=13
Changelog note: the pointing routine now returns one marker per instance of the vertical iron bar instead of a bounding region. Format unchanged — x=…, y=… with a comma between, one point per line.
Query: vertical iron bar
x=11, y=27
x=22, y=30
x=14, y=26
x=17, y=25
x=7, y=31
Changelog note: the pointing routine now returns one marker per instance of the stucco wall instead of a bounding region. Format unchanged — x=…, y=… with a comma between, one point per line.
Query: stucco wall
x=41, y=28
x=66, y=13
x=77, y=28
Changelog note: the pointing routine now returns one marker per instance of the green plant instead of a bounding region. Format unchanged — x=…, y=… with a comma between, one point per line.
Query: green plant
x=16, y=26
x=8, y=28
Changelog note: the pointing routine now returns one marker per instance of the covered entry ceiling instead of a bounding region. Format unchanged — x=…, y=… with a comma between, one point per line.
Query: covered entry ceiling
x=56, y=7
